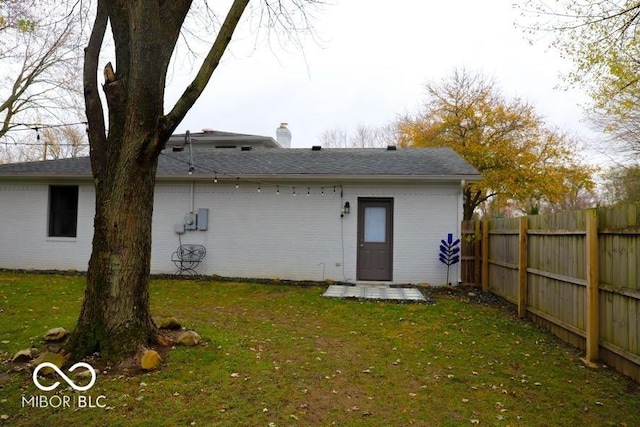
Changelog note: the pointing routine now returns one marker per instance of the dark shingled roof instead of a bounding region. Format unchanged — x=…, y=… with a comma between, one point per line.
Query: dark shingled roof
x=215, y=137
x=274, y=162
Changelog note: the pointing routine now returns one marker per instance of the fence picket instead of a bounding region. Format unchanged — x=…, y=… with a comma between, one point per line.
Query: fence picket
x=575, y=273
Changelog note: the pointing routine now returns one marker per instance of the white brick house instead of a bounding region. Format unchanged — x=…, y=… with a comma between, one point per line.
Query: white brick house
x=270, y=212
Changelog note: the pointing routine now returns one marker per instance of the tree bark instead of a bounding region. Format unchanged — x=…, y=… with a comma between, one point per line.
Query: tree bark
x=115, y=319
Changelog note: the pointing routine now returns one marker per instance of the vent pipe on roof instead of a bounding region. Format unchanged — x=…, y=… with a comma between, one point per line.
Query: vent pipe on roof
x=283, y=135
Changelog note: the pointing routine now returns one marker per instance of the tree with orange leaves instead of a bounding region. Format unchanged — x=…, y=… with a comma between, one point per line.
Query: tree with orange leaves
x=523, y=162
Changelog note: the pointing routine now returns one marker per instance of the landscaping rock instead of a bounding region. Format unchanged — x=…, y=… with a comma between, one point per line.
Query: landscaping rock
x=22, y=356
x=150, y=360
x=55, y=358
x=168, y=323
x=83, y=374
x=56, y=334
x=189, y=338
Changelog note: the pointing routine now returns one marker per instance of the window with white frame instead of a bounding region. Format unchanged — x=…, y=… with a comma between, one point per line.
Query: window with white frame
x=63, y=210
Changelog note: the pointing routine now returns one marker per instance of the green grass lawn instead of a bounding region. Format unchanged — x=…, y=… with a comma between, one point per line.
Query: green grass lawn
x=276, y=355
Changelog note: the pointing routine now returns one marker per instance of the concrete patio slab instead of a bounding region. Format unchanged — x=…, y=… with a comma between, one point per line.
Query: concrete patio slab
x=378, y=292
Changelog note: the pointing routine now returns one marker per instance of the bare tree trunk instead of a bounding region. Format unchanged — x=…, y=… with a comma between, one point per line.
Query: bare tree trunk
x=115, y=318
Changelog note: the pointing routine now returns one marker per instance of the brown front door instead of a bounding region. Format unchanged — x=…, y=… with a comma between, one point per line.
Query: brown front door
x=375, y=239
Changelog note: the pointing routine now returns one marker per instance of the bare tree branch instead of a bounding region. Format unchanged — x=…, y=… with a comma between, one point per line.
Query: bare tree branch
x=195, y=89
x=93, y=104
x=39, y=45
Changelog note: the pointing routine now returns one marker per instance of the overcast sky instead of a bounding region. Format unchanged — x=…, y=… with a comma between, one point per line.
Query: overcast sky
x=371, y=64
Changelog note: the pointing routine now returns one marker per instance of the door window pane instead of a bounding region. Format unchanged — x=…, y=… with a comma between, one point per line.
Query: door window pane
x=375, y=225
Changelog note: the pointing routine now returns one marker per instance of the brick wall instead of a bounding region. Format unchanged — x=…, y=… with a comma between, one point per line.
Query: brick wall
x=250, y=234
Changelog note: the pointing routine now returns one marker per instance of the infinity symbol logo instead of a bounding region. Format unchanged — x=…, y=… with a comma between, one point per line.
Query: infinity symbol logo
x=64, y=377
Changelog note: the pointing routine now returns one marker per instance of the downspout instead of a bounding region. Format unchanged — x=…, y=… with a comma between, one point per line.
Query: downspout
x=463, y=183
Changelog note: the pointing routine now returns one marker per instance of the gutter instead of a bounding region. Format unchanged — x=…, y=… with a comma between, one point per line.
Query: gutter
x=229, y=177
x=309, y=177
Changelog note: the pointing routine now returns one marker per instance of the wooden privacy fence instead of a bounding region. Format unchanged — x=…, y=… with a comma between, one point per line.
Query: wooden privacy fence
x=574, y=273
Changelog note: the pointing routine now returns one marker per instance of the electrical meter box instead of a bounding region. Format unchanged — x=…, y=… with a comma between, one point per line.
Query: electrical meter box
x=190, y=221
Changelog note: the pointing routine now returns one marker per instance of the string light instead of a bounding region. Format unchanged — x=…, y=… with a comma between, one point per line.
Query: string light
x=26, y=127
x=259, y=184
x=191, y=169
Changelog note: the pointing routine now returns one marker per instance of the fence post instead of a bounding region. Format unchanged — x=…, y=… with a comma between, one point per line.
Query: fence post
x=477, y=251
x=485, y=255
x=522, y=267
x=592, y=298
